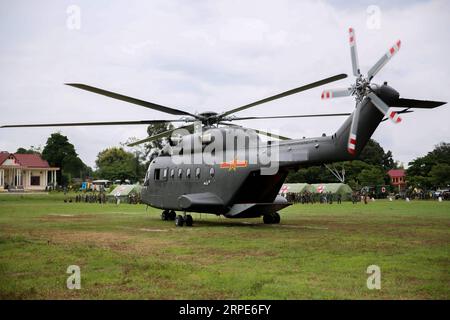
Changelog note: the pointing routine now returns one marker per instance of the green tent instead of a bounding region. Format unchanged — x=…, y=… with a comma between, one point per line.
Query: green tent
x=335, y=188
x=296, y=188
x=123, y=192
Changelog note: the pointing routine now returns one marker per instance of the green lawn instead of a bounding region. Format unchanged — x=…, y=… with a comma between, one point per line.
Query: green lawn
x=317, y=252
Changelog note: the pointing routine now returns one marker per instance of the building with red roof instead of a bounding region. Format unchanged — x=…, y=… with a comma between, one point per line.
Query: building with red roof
x=27, y=172
x=398, y=178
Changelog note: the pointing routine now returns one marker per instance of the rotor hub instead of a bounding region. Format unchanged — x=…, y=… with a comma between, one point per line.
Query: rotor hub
x=360, y=88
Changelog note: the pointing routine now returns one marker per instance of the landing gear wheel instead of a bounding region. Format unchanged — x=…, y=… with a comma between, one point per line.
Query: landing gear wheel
x=268, y=218
x=271, y=218
x=189, y=220
x=276, y=217
x=165, y=215
x=179, y=221
x=172, y=215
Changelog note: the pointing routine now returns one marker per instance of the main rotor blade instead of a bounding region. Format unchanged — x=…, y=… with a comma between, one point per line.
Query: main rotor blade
x=265, y=133
x=384, y=108
x=159, y=136
x=412, y=103
x=287, y=93
x=143, y=103
x=336, y=93
x=73, y=124
x=293, y=116
x=351, y=146
x=354, y=52
x=383, y=60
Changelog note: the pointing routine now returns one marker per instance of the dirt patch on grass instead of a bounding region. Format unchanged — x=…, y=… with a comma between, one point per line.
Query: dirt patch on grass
x=116, y=241
x=66, y=217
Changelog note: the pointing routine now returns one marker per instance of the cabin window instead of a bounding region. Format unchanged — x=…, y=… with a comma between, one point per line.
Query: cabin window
x=188, y=173
x=172, y=173
x=180, y=173
x=165, y=171
x=197, y=173
x=212, y=172
x=157, y=174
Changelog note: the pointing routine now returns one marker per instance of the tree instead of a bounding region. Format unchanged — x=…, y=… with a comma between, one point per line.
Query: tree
x=440, y=175
x=74, y=167
x=32, y=150
x=372, y=176
x=311, y=174
x=368, y=170
x=59, y=152
x=115, y=163
x=374, y=154
x=441, y=153
x=422, y=172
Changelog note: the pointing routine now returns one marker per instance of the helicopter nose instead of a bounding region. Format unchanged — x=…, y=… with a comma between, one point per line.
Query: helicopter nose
x=386, y=93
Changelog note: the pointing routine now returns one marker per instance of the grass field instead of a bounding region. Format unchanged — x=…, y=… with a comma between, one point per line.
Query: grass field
x=317, y=252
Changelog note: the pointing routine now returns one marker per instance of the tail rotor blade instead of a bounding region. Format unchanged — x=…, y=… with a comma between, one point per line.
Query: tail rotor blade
x=383, y=60
x=384, y=108
x=336, y=93
x=351, y=147
x=354, y=52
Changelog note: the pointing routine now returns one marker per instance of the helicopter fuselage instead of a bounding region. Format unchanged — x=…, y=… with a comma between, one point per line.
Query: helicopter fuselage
x=235, y=186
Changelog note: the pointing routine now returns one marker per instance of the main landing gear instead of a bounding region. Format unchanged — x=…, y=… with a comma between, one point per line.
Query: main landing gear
x=186, y=219
x=271, y=218
x=180, y=220
x=167, y=215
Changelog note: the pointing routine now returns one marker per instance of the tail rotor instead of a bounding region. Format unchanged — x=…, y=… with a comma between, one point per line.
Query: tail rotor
x=362, y=89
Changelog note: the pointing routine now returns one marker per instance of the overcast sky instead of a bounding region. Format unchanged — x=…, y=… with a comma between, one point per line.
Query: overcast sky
x=215, y=55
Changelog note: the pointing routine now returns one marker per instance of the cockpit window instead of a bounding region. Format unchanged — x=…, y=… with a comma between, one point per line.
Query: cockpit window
x=157, y=174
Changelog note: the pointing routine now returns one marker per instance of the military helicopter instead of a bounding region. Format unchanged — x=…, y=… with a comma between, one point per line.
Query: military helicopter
x=228, y=178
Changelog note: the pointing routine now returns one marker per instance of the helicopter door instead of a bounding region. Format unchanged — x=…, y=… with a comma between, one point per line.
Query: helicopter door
x=161, y=182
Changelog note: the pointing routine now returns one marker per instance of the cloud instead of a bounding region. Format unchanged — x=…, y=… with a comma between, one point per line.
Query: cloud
x=209, y=55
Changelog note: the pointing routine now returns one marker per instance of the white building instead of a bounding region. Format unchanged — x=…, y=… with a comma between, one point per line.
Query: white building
x=27, y=172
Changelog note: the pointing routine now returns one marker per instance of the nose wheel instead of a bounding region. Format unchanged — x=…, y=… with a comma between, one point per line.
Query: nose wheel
x=271, y=218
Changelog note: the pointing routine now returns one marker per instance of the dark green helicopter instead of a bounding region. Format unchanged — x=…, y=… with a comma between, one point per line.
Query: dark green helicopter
x=226, y=169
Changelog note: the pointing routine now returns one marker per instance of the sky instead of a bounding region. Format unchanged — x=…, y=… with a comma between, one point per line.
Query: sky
x=215, y=55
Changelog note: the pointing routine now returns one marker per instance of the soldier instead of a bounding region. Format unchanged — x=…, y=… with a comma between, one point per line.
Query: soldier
x=354, y=197
x=339, y=197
